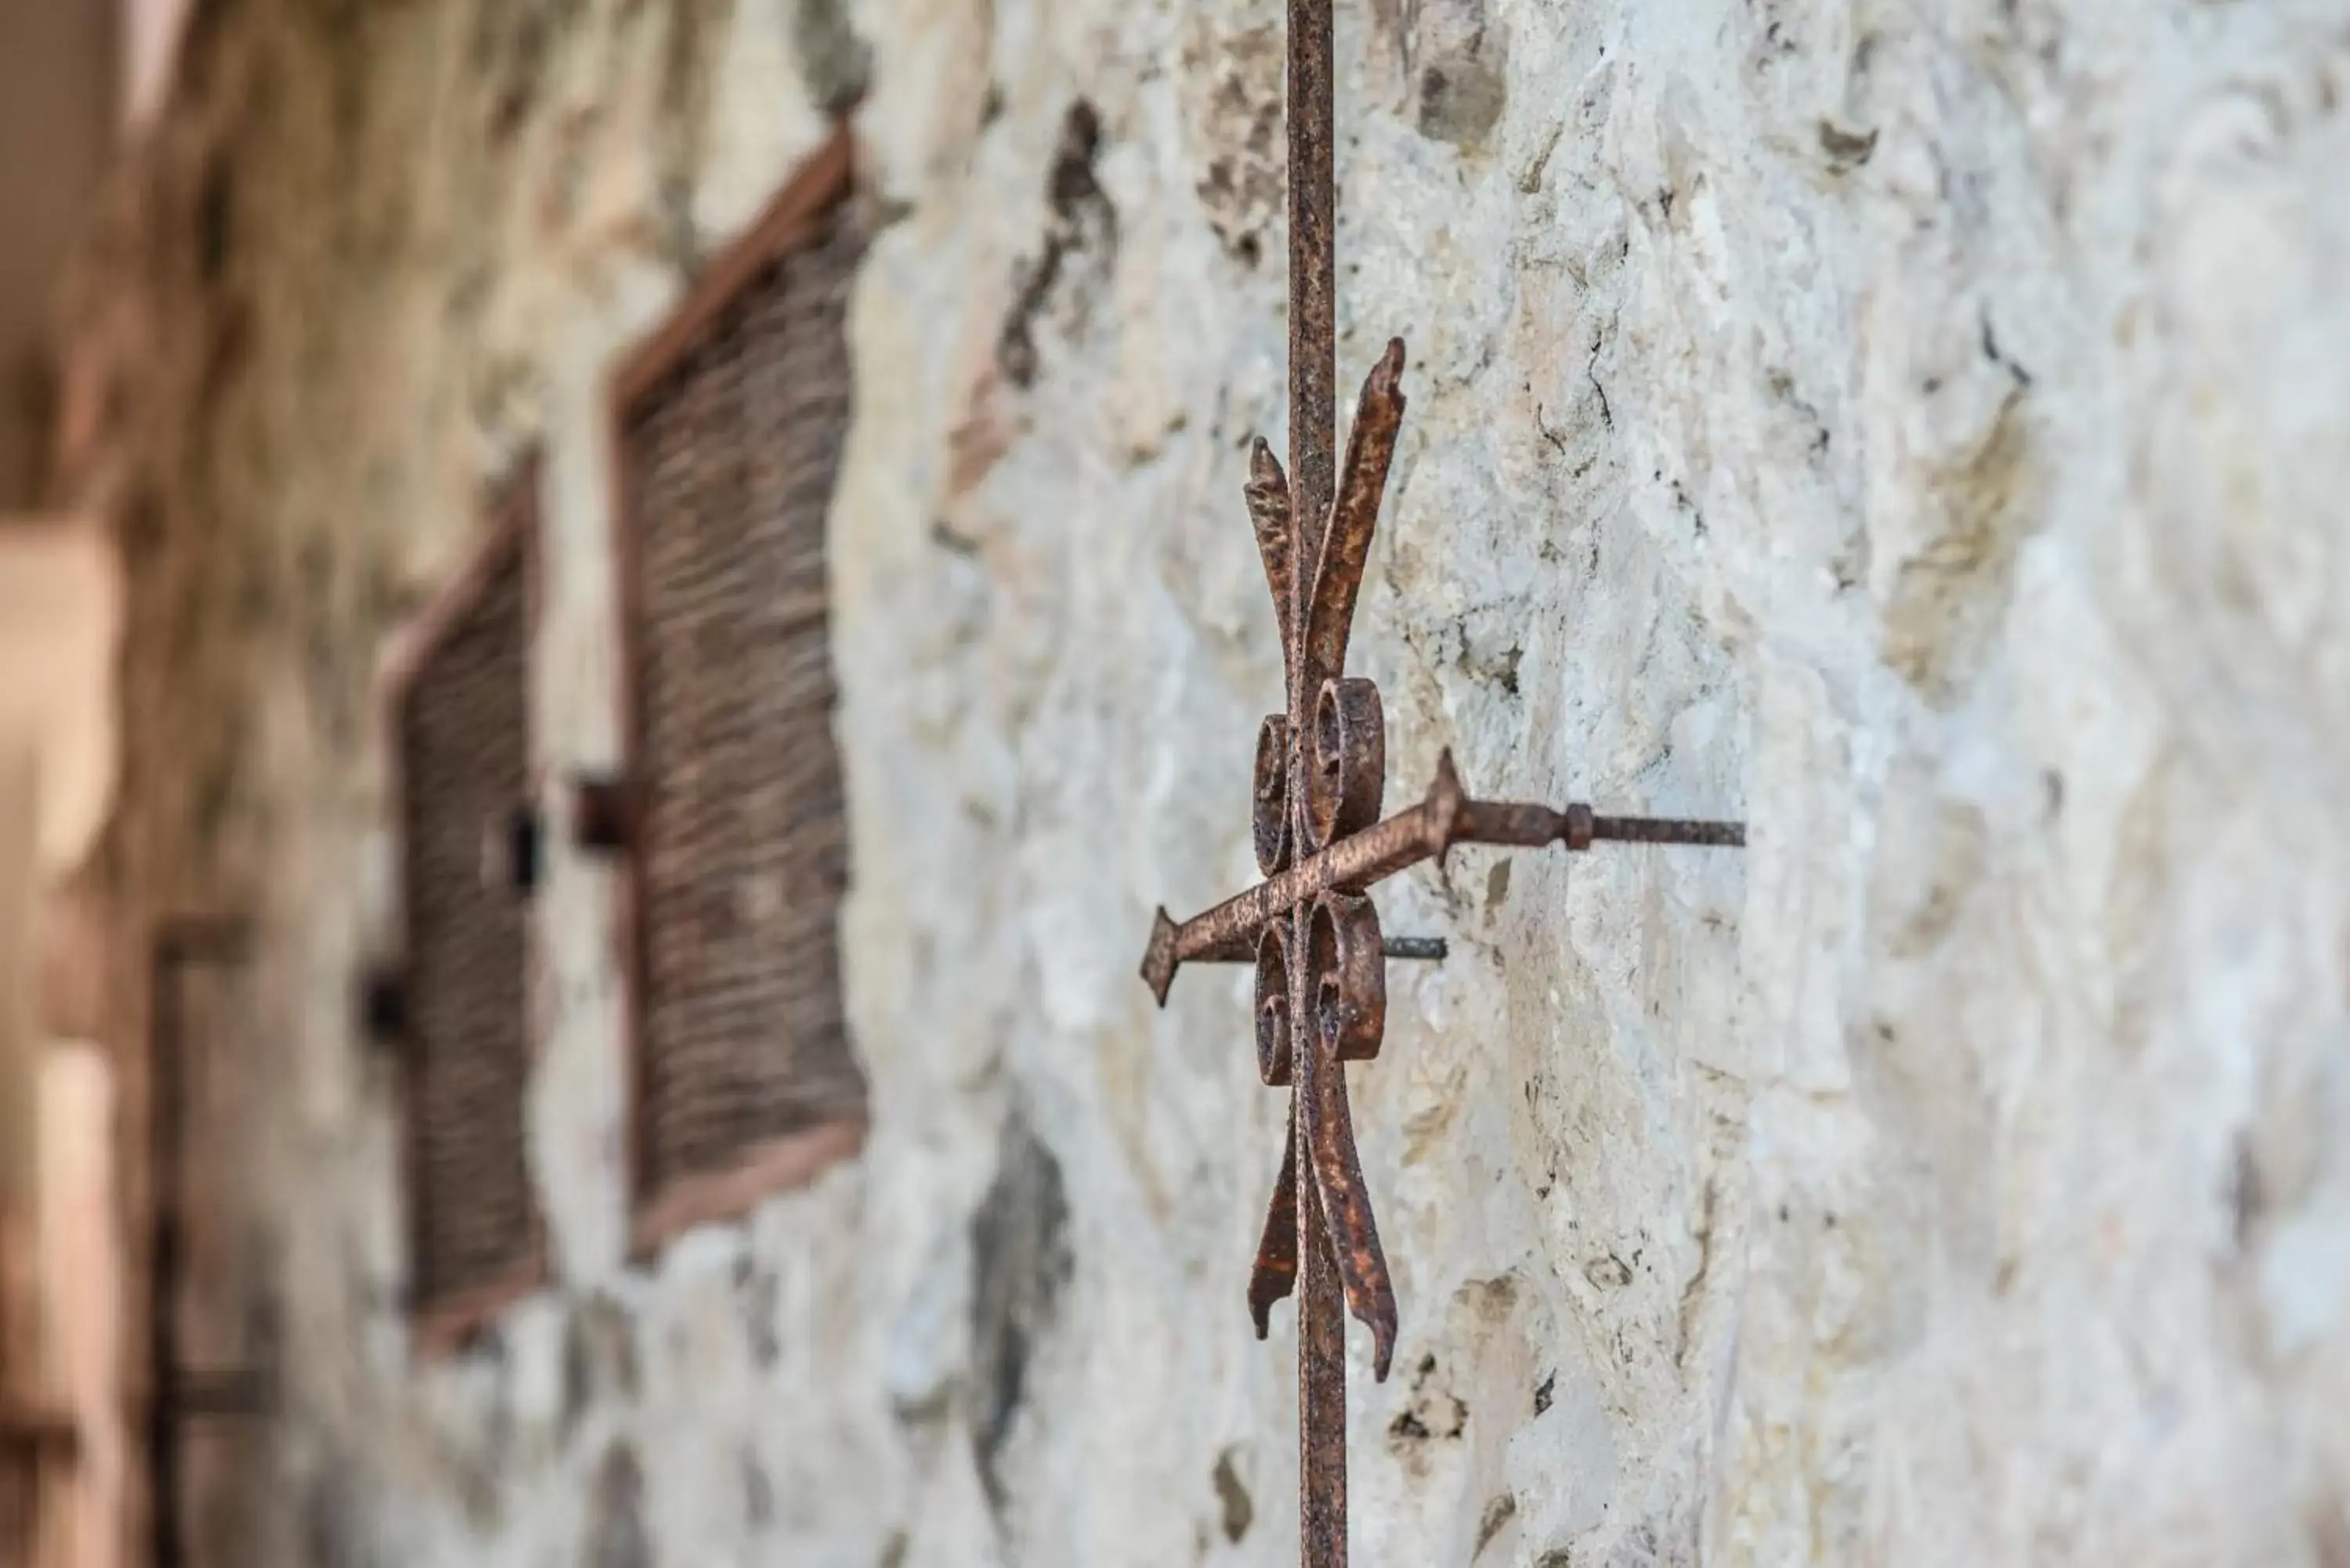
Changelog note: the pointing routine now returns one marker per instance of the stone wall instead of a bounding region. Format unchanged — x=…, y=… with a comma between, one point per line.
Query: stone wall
x=1910, y=427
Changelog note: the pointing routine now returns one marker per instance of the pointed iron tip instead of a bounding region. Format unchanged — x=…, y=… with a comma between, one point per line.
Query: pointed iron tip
x=1385, y=383
x=1374, y=1306
x=1264, y=466
x=1272, y=1280
x=1445, y=801
x=1158, y=962
x=1377, y=1314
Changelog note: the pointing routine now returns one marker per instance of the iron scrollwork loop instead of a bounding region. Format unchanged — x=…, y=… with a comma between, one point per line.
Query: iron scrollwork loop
x=1346, y=776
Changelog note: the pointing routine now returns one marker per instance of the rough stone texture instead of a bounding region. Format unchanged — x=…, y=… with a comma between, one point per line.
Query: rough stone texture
x=1913, y=426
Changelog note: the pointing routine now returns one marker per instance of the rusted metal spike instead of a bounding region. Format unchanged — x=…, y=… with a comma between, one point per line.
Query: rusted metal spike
x=1444, y=818
x=1158, y=958
x=1275, y=1274
x=1345, y=543
x=1652, y=830
x=1267, y=493
x=1403, y=950
x=1345, y=1203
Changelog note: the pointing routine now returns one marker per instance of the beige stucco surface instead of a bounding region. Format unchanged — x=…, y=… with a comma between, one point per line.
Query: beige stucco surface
x=1916, y=428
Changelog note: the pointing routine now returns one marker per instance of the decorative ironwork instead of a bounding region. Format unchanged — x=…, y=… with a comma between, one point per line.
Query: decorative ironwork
x=1310, y=928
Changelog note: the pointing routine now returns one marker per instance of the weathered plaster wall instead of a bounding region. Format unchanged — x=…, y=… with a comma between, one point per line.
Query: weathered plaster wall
x=1918, y=427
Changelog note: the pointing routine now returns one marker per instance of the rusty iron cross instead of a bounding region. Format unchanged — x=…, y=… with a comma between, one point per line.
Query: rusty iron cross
x=1320, y=773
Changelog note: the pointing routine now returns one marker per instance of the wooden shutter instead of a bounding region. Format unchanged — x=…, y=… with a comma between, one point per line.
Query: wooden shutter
x=731, y=424
x=462, y=725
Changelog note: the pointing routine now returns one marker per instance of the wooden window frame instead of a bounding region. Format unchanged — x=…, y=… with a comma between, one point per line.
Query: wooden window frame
x=441, y=1328
x=824, y=181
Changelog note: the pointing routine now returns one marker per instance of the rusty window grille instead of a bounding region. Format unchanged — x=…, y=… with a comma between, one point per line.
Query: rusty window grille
x=729, y=428
x=461, y=723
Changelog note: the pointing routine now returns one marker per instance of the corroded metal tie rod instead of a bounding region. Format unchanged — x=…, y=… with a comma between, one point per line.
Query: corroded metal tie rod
x=1320, y=775
x=1229, y=932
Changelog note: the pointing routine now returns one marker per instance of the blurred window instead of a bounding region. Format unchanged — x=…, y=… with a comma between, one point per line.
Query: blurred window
x=731, y=424
x=461, y=718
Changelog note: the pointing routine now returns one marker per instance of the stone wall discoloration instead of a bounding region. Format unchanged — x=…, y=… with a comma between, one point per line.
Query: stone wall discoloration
x=1020, y=1262
x=1916, y=428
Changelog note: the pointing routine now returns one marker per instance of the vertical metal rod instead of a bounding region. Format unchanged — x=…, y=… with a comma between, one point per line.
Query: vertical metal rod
x=1313, y=290
x=1321, y=1319
x=1313, y=467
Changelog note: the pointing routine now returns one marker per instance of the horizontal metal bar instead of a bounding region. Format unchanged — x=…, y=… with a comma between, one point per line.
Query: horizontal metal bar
x=1409, y=949
x=1447, y=816
x=1669, y=830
